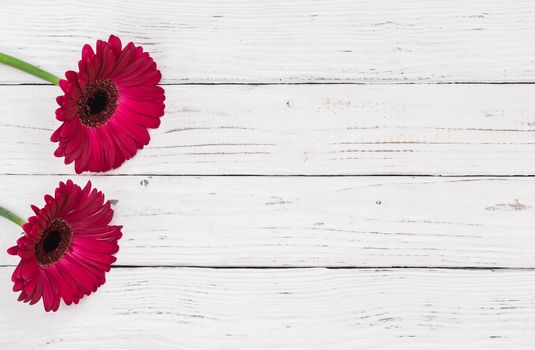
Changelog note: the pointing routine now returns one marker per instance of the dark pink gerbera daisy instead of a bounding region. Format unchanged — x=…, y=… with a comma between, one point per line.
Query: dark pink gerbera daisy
x=108, y=106
x=67, y=247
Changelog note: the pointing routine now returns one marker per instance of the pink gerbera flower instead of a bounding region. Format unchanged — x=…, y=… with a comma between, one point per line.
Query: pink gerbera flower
x=108, y=106
x=67, y=247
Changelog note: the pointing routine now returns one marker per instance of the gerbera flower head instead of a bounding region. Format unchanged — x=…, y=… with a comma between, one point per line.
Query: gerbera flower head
x=67, y=247
x=108, y=106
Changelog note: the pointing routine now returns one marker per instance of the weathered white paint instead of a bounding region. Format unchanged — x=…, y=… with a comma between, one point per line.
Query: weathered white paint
x=307, y=221
x=303, y=129
x=286, y=41
x=294, y=309
x=282, y=221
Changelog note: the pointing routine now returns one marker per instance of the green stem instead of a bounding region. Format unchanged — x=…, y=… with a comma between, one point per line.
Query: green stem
x=12, y=217
x=28, y=68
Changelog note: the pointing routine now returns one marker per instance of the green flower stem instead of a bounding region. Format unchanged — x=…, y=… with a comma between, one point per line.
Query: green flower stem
x=12, y=217
x=28, y=68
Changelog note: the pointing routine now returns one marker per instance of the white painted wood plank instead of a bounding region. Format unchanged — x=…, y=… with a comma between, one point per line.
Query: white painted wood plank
x=303, y=129
x=286, y=41
x=285, y=309
x=307, y=221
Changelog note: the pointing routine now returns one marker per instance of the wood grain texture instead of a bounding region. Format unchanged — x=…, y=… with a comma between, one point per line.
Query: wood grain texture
x=280, y=41
x=285, y=309
x=277, y=114
x=304, y=129
x=307, y=221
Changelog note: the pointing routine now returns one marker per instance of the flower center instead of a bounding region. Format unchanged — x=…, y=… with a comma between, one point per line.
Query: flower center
x=54, y=243
x=51, y=242
x=97, y=103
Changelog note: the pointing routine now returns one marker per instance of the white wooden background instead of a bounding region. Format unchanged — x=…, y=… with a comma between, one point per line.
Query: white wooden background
x=328, y=175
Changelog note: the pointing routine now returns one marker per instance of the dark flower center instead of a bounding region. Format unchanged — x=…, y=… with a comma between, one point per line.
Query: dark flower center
x=51, y=242
x=97, y=103
x=55, y=241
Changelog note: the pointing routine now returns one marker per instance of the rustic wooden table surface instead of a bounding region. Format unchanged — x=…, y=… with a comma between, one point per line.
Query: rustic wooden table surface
x=328, y=175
